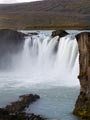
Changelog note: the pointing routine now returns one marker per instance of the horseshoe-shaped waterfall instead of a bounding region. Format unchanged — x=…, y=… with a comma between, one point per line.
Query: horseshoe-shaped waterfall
x=46, y=66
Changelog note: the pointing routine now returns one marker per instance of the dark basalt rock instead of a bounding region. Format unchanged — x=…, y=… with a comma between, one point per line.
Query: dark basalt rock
x=3, y=112
x=60, y=33
x=24, y=102
x=11, y=42
x=14, y=111
x=22, y=116
x=82, y=107
x=32, y=33
x=11, y=33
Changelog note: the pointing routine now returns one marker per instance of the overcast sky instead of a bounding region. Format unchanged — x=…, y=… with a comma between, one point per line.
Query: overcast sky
x=15, y=1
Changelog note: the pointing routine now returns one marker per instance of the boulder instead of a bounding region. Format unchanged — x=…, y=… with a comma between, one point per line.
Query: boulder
x=60, y=33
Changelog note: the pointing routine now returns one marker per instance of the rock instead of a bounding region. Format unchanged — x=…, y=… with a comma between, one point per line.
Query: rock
x=11, y=42
x=82, y=107
x=3, y=112
x=60, y=33
x=22, y=116
x=32, y=33
x=14, y=111
x=20, y=105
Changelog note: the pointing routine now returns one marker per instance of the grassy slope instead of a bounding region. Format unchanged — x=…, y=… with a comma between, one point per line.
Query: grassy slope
x=47, y=14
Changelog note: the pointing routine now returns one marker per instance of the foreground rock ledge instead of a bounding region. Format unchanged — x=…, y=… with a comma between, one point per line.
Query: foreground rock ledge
x=15, y=111
x=82, y=107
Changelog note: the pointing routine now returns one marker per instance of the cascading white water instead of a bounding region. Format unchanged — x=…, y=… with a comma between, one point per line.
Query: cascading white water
x=45, y=65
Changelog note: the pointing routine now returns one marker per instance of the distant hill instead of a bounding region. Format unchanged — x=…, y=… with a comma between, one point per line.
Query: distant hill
x=46, y=14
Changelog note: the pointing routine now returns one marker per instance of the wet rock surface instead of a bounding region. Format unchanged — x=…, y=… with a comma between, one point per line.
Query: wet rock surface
x=60, y=33
x=15, y=111
x=32, y=33
x=82, y=107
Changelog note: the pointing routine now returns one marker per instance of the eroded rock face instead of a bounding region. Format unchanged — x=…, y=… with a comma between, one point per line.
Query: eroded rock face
x=82, y=107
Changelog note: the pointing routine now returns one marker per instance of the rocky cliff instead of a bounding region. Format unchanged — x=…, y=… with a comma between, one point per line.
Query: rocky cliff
x=11, y=42
x=82, y=107
x=11, y=38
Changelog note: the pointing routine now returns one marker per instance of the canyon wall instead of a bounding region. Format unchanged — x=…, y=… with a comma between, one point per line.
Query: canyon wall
x=82, y=107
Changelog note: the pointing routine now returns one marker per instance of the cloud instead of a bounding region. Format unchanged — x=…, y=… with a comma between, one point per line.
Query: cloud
x=15, y=1
x=8, y=1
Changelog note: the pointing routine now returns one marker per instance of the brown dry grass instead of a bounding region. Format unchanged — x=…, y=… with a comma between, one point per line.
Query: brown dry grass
x=47, y=14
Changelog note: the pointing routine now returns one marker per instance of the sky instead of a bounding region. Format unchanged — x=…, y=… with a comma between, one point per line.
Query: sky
x=15, y=1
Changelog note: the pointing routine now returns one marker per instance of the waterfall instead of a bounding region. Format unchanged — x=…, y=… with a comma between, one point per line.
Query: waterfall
x=50, y=60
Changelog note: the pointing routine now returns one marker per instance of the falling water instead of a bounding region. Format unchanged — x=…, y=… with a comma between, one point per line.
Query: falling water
x=45, y=65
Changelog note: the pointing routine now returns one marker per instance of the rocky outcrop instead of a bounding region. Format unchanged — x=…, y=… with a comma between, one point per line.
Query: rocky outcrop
x=82, y=107
x=60, y=33
x=15, y=111
x=24, y=102
x=32, y=33
x=11, y=42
